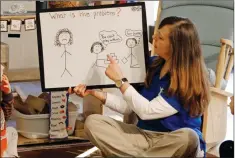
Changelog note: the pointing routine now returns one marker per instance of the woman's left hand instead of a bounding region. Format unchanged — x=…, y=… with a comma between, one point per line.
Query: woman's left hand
x=113, y=71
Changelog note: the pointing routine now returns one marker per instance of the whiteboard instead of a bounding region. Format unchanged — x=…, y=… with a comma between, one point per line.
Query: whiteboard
x=74, y=43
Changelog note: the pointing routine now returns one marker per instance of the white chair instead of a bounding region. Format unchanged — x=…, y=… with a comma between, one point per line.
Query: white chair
x=215, y=117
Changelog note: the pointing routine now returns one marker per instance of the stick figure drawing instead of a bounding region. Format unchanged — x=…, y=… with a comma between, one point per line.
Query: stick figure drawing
x=97, y=48
x=131, y=43
x=64, y=37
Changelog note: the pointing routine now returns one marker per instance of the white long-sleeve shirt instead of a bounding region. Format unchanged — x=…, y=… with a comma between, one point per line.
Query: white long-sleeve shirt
x=146, y=110
x=133, y=101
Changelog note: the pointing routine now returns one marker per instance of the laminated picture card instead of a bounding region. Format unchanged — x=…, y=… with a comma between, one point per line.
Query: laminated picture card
x=15, y=25
x=4, y=26
x=59, y=115
x=29, y=24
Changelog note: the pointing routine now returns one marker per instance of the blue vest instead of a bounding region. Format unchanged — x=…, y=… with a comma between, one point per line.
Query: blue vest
x=179, y=120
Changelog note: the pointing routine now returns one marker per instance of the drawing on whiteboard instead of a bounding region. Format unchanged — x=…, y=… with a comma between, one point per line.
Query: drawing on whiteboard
x=133, y=33
x=137, y=8
x=64, y=37
x=108, y=37
x=131, y=43
x=97, y=48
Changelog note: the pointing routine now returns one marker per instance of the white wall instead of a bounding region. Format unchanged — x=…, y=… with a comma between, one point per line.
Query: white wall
x=23, y=51
x=28, y=5
x=151, y=13
x=151, y=9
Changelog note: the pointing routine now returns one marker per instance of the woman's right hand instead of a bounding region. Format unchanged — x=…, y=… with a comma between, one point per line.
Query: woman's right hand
x=80, y=91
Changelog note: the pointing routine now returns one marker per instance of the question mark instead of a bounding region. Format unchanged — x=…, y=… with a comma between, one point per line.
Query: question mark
x=118, y=11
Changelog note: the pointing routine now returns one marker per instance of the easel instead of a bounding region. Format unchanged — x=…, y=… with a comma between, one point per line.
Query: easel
x=225, y=62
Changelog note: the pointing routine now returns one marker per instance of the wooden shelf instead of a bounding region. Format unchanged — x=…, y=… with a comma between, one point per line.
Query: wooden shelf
x=17, y=75
x=21, y=17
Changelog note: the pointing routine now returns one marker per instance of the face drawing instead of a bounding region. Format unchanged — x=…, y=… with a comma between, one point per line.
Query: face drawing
x=64, y=38
x=97, y=48
x=131, y=42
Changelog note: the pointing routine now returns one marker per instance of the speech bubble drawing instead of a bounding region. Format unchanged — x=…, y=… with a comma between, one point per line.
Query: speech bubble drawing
x=108, y=37
x=135, y=33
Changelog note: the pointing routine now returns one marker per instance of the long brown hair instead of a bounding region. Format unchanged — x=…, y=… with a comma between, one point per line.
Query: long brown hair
x=188, y=79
